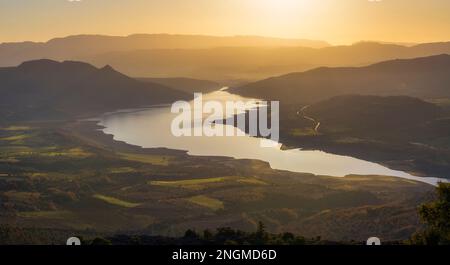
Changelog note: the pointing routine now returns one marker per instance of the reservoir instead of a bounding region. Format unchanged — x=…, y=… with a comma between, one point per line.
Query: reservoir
x=151, y=128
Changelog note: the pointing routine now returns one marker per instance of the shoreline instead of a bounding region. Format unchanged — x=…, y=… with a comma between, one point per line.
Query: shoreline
x=109, y=140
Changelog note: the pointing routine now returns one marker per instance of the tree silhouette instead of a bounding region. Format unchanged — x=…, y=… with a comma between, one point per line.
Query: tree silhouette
x=436, y=216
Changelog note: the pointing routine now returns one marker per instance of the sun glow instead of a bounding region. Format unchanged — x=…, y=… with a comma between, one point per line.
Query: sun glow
x=336, y=21
x=285, y=6
x=280, y=14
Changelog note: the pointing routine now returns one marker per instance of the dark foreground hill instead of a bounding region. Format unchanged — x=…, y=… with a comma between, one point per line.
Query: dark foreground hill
x=427, y=77
x=46, y=89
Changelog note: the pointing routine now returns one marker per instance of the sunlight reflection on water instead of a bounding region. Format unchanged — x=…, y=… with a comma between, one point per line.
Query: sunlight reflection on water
x=151, y=128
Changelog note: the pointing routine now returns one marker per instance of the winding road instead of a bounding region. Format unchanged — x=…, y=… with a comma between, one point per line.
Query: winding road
x=302, y=112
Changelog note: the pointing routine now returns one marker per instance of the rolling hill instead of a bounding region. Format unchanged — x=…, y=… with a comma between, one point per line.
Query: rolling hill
x=378, y=116
x=425, y=77
x=402, y=132
x=46, y=89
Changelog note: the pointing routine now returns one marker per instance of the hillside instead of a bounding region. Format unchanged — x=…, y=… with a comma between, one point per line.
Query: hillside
x=401, y=132
x=374, y=112
x=426, y=77
x=46, y=89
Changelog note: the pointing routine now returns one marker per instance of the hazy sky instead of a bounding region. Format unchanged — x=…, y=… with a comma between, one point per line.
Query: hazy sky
x=336, y=21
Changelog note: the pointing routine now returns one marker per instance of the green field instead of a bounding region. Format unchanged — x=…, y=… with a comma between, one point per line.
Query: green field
x=115, y=201
x=188, y=183
x=303, y=132
x=15, y=137
x=47, y=214
x=158, y=160
x=16, y=128
x=207, y=202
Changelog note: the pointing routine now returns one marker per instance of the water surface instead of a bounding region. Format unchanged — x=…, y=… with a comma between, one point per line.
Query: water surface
x=151, y=128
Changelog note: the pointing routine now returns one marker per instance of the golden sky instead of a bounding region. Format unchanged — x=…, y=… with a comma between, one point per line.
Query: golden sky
x=336, y=21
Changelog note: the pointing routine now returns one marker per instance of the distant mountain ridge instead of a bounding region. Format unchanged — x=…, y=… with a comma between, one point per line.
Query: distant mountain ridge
x=187, y=85
x=77, y=46
x=46, y=89
x=208, y=57
x=176, y=41
x=426, y=77
x=253, y=63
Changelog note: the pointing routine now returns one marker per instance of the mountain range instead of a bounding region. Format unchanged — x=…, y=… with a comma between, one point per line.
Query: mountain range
x=82, y=45
x=46, y=89
x=211, y=58
x=426, y=77
x=254, y=63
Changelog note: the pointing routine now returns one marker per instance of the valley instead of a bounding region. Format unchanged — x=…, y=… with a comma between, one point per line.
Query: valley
x=178, y=131
x=61, y=174
x=95, y=185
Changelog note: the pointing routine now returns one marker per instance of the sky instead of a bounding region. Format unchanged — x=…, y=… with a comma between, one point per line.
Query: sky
x=335, y=21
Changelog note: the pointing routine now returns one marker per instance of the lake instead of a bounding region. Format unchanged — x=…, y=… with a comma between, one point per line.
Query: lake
x=151, y=128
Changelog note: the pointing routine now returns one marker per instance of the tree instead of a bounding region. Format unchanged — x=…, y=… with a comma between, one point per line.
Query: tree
x=208, y=235
x=261, y=234
x=191, y=234
x=261, y=230
x=99, y=241
x=288, y=237
x=436, y=216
